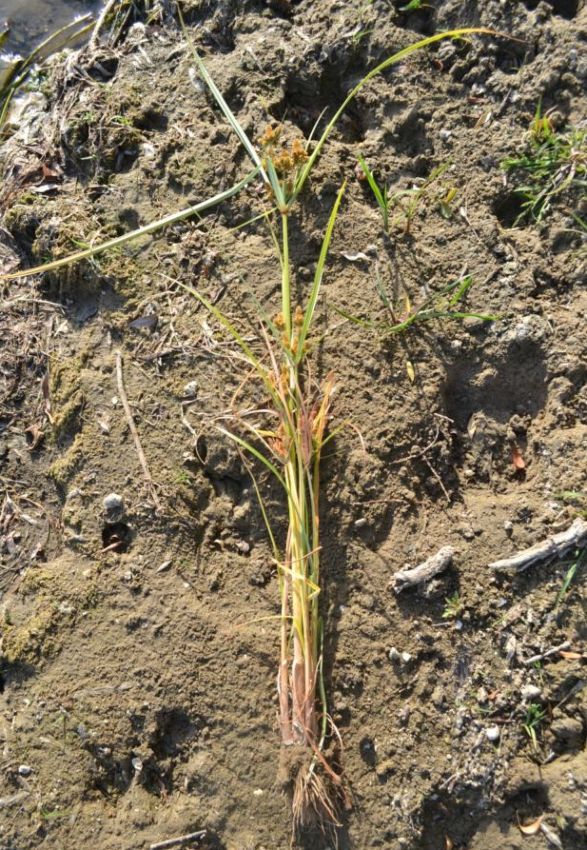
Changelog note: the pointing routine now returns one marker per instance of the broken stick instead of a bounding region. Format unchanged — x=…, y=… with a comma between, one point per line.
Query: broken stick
x=133, y=430
x=424, y=571
x=542, y=655
x=179, y=841
x=552, y=547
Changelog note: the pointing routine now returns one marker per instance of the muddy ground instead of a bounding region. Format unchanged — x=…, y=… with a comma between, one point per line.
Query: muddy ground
x=139, y=648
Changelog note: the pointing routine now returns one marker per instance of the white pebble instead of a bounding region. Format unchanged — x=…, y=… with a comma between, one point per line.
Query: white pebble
x=530, y=692
x=493, y=733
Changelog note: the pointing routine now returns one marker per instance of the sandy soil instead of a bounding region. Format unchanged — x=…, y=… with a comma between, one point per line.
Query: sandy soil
x=139, y=645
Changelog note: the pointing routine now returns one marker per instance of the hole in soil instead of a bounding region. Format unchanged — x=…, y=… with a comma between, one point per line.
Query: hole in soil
x=564, y=8
x=564, y=240
x=367, y=750
x=174, y=729
x=510, y=59
x=282, y=8
x=125, y=159
x=104, y=69
x=152, y=119
x=2, y=683
x=508, y=209
x=116, y=537
x=129, y=217
x=421, y=21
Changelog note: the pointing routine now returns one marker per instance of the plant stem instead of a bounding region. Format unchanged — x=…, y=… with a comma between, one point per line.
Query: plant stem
x=285, y=276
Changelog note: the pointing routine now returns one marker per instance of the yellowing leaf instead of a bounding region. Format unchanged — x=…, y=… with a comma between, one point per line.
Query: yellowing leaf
x=410, y=370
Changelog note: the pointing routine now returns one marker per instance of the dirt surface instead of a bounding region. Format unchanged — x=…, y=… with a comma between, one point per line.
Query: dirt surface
x=140, y=646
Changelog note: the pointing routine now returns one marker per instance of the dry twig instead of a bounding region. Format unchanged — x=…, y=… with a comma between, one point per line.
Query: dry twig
x=552, y=547
x=179, y=841
x=424, y=571
x=133, y=430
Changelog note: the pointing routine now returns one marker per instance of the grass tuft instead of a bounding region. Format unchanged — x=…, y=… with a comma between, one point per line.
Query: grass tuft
x=551, y=170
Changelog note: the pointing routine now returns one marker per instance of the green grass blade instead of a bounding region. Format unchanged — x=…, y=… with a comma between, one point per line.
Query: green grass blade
x=275, y=184
x=217, y=95
x=128, y=237
x=461, y=287
x=264, y=513
x=371, y=180
x=380, y=197
x=310, y=309
x=15, y=75
x=240, y=341
x=364, y=323
x=391, y=60
x=381, y=290
x=249, y=447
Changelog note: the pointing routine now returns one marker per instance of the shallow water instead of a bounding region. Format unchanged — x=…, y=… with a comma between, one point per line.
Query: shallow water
x=31, y=21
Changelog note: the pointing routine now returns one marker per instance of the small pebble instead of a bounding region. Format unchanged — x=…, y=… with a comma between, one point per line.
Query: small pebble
x=361, y=522
x=404, y=715
x=530, y=692
x=191, y=389
x=113, y=503
x=24, y=770
x=492, y=734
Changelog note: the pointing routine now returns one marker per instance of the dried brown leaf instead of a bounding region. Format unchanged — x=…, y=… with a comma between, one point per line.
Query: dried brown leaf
x=531, y=828
x=517, y=459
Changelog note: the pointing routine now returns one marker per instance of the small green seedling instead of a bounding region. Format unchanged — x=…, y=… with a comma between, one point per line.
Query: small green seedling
x=182, y=477
x=535, y=714
x=407, y=201
x=552, y=166
x=570, y=574
x=414, y=6
x=381, y=195
x=575, y=498
x=441, y=305
x=446, y=200
x=453, y=608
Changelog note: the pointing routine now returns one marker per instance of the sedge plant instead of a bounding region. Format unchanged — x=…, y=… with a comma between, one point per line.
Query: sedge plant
x=290, y=444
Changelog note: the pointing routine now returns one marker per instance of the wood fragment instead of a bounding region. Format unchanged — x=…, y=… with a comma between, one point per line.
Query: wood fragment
x=179, y=841
x=424, y=571
x=551, y=836
x=542, y=655
x=133, y=430
x=552, y=547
